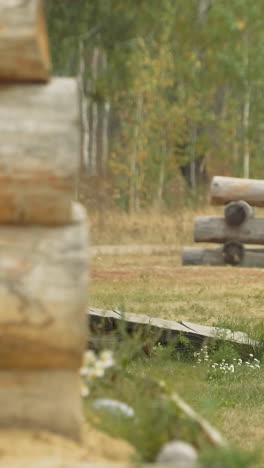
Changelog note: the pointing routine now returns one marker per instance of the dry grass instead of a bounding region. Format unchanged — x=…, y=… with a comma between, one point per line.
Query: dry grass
x=112, y=227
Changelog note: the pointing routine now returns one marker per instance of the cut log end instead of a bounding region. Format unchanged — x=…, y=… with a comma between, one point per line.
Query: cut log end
x=233, y=252
x=237, y=212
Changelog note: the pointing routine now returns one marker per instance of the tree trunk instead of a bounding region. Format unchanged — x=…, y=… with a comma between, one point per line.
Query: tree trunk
x=160, y=188
x=105, y=123
x=84, y=106
x=94, y=130
x=246, y=121
x=133, y=196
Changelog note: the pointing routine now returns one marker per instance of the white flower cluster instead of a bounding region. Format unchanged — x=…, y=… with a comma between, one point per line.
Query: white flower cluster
x=224, y=367
x=93, y=367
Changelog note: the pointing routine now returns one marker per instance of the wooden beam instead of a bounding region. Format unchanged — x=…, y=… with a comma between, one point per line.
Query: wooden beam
x=237, y=212
x=39, y=151
x=24, y=52
x=215, y=229
x=226, y=189
x=41, y=400
x=252, y=258
x=43, y=294
x=102, y=320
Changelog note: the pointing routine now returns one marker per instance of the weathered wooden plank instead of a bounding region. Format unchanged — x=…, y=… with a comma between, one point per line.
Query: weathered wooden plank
x=167, y=328
x=215, y=229
x=43, y=294
x=224, y=333
x=39, y=152
x=226, y=189
x=24, y=54
x=237, y=212
x=41, y=400
x=252, y=258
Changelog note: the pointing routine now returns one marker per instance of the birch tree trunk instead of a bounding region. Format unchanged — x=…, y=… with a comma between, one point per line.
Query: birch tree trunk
x=94, y=130
x=246, y=112
x=84, y=105
x=133, y=160
x=246, y=121
x=105, y=122
x=160, y=189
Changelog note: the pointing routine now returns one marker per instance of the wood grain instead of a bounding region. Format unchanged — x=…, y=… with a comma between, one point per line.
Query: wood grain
x=39, y=151
x=215, y=229
x=226, y=189
x=43, y=295
x=24, y=54
x=41, y=400
x=252, y=258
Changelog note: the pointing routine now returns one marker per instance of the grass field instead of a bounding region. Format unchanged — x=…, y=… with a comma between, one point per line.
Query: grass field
x=157, y=285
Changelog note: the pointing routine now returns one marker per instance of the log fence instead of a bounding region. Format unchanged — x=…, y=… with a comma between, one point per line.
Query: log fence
x=237, y=227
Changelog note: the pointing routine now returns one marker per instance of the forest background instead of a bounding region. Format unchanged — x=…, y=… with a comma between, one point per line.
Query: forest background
x=171, y=94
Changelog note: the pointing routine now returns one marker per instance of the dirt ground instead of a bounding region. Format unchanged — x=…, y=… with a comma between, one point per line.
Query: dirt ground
x=25, y=448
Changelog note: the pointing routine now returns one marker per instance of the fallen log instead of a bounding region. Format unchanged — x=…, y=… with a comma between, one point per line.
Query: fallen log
x=43, y=294
x=251, y=258
x=226, y=189
x=41, y=400
x=24, y=52
x=237, y=212
x=215, y=229
x=39, y=134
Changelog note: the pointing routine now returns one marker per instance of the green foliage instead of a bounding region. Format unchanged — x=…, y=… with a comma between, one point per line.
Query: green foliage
x=177, y=80
x=228, y=458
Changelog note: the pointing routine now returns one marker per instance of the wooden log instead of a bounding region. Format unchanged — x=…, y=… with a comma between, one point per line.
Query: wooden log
x=41, y=400
x=24, y=52
x=215, y=229
x=39, y=152
x=237, y=212
x=215, y=257
x=202, y=256
x=226, y=189
x=43, y=295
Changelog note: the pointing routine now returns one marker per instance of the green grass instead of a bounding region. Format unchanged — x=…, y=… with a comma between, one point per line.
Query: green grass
x=139, y=381
x=225, y=297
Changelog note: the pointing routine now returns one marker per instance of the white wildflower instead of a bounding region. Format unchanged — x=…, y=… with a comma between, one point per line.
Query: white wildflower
x=84, y=391
x=89, y=357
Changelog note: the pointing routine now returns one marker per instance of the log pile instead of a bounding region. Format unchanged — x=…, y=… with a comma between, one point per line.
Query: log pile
x=43, y=234
x=237, y=227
